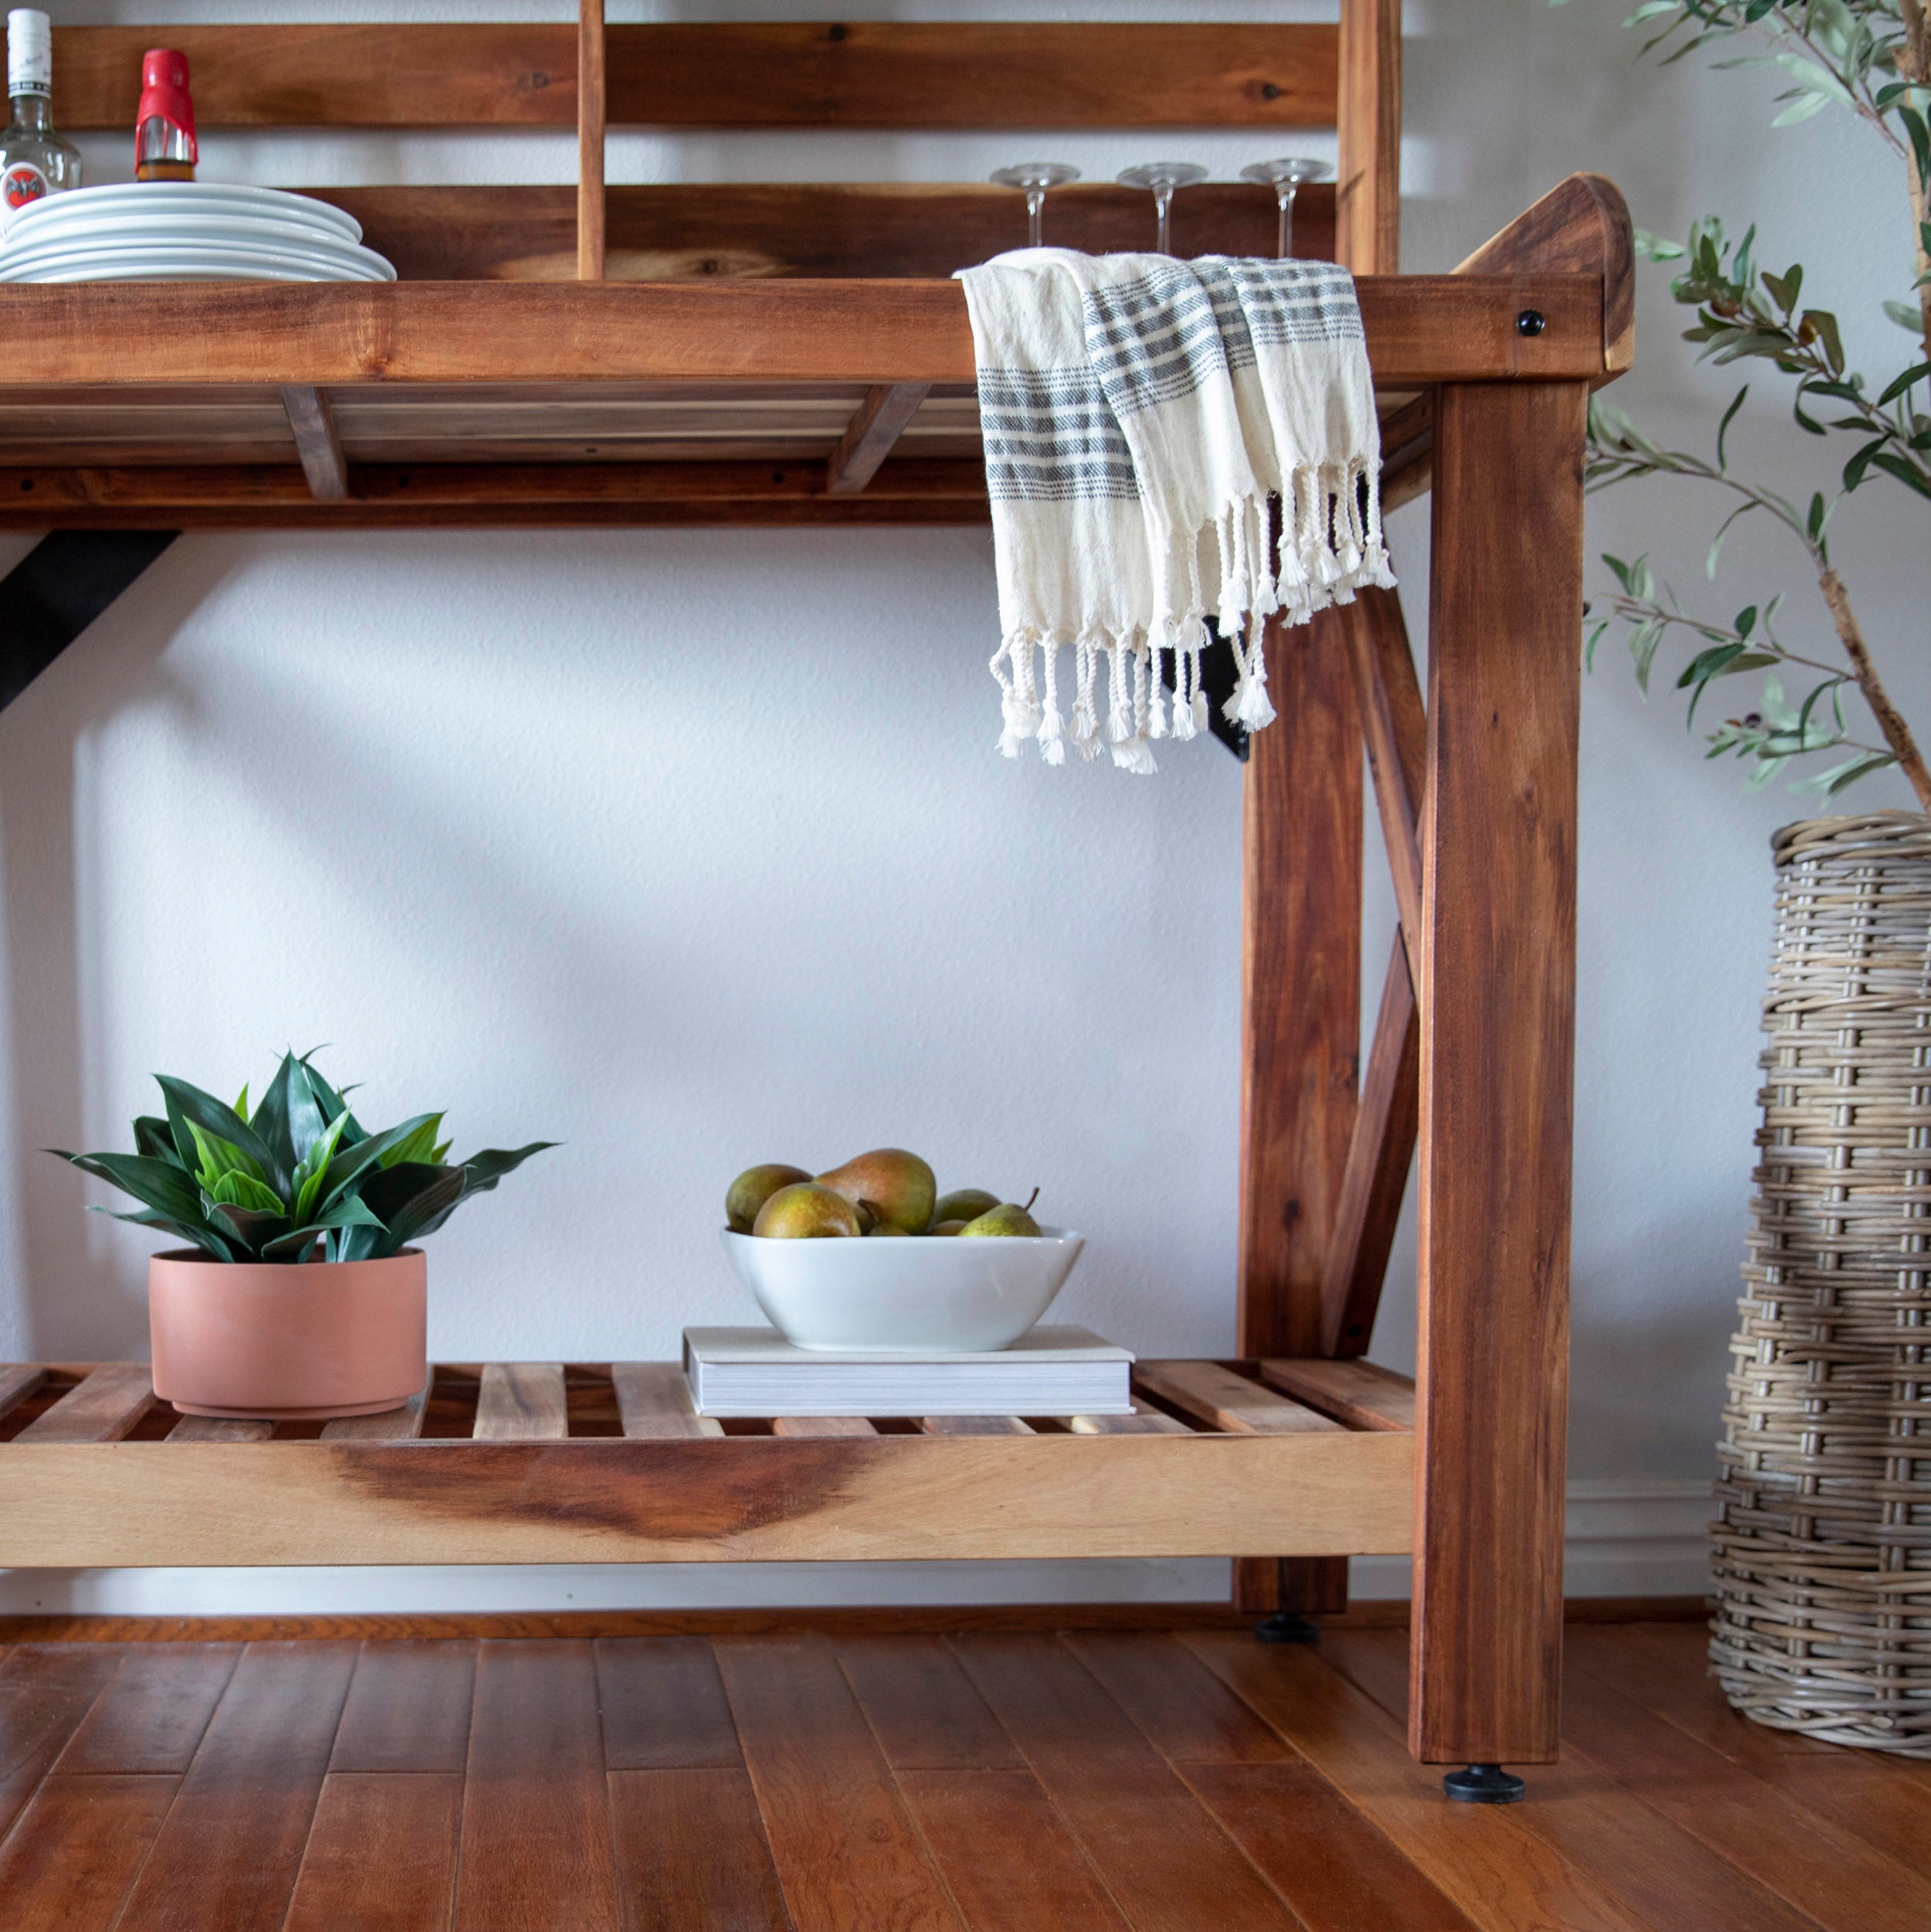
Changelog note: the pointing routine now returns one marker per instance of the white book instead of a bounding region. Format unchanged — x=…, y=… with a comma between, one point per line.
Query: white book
x=1050, y=1372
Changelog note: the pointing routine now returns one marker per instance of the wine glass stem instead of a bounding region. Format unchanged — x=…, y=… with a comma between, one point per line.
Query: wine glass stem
x=1163, y=207
x=1284, y=238
x=1035, y=205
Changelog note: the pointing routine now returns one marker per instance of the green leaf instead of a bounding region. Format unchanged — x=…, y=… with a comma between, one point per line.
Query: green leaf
x=1831, y=782
x=350, y=1162
x=428, y=1209
x=1656, y=248
x=1907, y=316
x=153, y=1139
x=1802, y=109
x=250, y=1226
x=1588, y=648
x=203, y=1110
x=158, y=1184
x=487, y=1167
x=1723, y=530
x=1825, y=323
x=1644, y=640
x=237, y=1189
x=1729, y=416
x=310, y=1174
x=1894, y=465
x=419, y=1147
x=1916, y=373
x=219, y=1157
x=295, y=1245
x=197, y=1234
x=332, y=1103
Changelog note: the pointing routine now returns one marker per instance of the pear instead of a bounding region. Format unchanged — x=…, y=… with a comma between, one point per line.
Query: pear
x=753, y=1188
x=804, y=1212
x=892, y=1184
x=947, y=1227
x=963, y=1204
x=885, y=1227
x=1008, y=1218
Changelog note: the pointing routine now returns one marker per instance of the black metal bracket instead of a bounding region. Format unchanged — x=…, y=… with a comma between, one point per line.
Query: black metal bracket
x=1484, y=1785
x=1286, y=1626
x=58, y=589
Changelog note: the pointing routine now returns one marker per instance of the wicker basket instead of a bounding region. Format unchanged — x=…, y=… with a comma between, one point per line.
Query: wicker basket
x=1823, y=1551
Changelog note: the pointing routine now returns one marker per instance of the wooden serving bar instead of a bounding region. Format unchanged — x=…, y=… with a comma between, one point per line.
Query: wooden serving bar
x=720, y=354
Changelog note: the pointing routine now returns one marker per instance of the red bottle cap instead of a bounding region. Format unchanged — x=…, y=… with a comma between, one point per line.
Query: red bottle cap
x=163, y=93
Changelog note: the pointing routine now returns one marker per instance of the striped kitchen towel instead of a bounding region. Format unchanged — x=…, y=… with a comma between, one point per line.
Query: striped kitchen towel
x=1165, y=441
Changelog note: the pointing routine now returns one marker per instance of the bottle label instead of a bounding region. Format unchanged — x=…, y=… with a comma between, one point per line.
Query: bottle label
x=29, y=53
x=22, y=183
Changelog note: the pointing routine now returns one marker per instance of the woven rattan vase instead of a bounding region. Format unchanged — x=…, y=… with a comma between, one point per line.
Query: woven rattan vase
x=1823, y=1551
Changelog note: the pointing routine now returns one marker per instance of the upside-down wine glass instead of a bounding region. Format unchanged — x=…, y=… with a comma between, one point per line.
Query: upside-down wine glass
x=1160, y=179
x=1035, y=178
x=1284, y=177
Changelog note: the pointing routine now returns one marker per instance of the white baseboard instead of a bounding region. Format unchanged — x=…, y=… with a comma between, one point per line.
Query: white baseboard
x=1644, y=1538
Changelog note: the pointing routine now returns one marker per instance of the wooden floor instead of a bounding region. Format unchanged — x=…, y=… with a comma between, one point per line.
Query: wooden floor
x=1192, y=1782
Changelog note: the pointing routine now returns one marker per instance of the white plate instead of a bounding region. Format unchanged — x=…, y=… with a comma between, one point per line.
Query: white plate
x=147, y=200
x=336, y=263
x=106, y=226
x=182, y=264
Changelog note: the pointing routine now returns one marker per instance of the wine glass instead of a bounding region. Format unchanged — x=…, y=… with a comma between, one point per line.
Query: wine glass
x=1035, y=178
x=1160, y=179
x=1284, y=177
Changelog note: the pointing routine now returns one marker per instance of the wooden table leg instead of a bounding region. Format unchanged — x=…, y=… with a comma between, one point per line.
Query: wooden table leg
x=1300, y=1028
x=1498, y=1004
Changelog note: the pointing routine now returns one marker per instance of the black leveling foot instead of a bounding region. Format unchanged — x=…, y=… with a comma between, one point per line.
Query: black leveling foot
x=1285, y=1628
x=1483, y=1784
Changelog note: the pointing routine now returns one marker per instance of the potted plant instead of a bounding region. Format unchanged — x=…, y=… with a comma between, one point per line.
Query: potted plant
x=299, y=1295
x=1825, y=1482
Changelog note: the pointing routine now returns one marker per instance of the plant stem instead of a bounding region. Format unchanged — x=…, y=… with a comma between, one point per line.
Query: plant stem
x=1914, y=63
x=1897, y=733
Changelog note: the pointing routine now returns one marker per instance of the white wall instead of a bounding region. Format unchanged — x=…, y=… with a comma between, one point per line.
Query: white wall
x=690, y=849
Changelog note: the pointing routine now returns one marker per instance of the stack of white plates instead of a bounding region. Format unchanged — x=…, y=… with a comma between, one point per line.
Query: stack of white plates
x=186, y=231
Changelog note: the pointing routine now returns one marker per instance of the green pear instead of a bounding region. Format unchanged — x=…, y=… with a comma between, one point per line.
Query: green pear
x=752, y=1188
x=1008, y=1218
x=805, y=1212
x=892, y=1184
x=885, y=1227
x=963, y=1204
x=947, y=1227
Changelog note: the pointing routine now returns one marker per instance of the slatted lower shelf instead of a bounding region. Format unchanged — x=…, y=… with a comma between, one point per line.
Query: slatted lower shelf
x=546, y=1462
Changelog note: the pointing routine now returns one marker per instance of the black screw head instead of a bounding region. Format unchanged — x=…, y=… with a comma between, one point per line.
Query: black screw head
x=1531, y=321
x=1269, y=90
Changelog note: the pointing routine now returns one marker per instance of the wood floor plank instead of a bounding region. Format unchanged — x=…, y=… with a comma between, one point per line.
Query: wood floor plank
x=1841, y=1880
x=1006, y=1852
x=663, y=1705
x=101, y=1408
x=1227, y=1400
x=536, y=1837
x=922, y=1708
x=1163, y=1858
x=1483, y=1858
x=391, y=1425
x=1656, y=1868
x=153, y=1710
x=381, y=1854
x=520, y=1401
x=68, y=1865
x=46, y=1691
x=408, y=1708
x=692, y=1852
x=848, y=1855
x=654, y=1399
x=1189, y=1715
x=226, y=1858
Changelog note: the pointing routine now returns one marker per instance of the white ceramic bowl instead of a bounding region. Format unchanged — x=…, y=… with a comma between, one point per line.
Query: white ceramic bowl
x=897, y=1294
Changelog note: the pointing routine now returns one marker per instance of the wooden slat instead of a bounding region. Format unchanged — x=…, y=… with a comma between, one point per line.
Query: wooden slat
x=1368, y=196
x=102, y=1408
x=1394, y=727
x=663, y=1706
x=591, y=109
x=846, y=1852
x=221, y=1429
x=1172, y=1863
x=590, y=1500
x=1228, y=1401
x=881, y=420
x=150, y=1717
x=536, y=1832
x=392, y=1425
x=1418, y=328
x=865, y=74
x=654, y=1399
x=975, y=1426
x=822, y=1426
x=313, y=421
x=230, y=1849
x=381, y=1854
x=521, y=1401
x=1498, y=1005
x=691, y=1852
x=69, y=1866
x=1145, y=1421
x=1355, y=1392
x=408, y=1708
x=18, y=1381
x=1582, y=222
x=922, y=1706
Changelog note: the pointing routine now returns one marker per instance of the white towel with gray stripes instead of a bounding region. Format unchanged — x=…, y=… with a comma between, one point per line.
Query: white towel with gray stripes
x=1166, y=442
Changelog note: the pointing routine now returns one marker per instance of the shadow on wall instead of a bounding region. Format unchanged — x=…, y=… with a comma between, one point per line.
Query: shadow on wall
x=44, y=754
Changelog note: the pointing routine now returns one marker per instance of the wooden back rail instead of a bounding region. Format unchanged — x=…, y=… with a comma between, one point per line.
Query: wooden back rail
x=546, y=1461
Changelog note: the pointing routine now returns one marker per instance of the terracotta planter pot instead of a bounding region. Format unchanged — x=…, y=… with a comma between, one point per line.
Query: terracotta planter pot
x=291, y=1342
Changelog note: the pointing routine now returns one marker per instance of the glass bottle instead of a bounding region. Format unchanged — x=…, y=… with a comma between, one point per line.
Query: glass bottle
x=164, y=146
x=34, y=160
